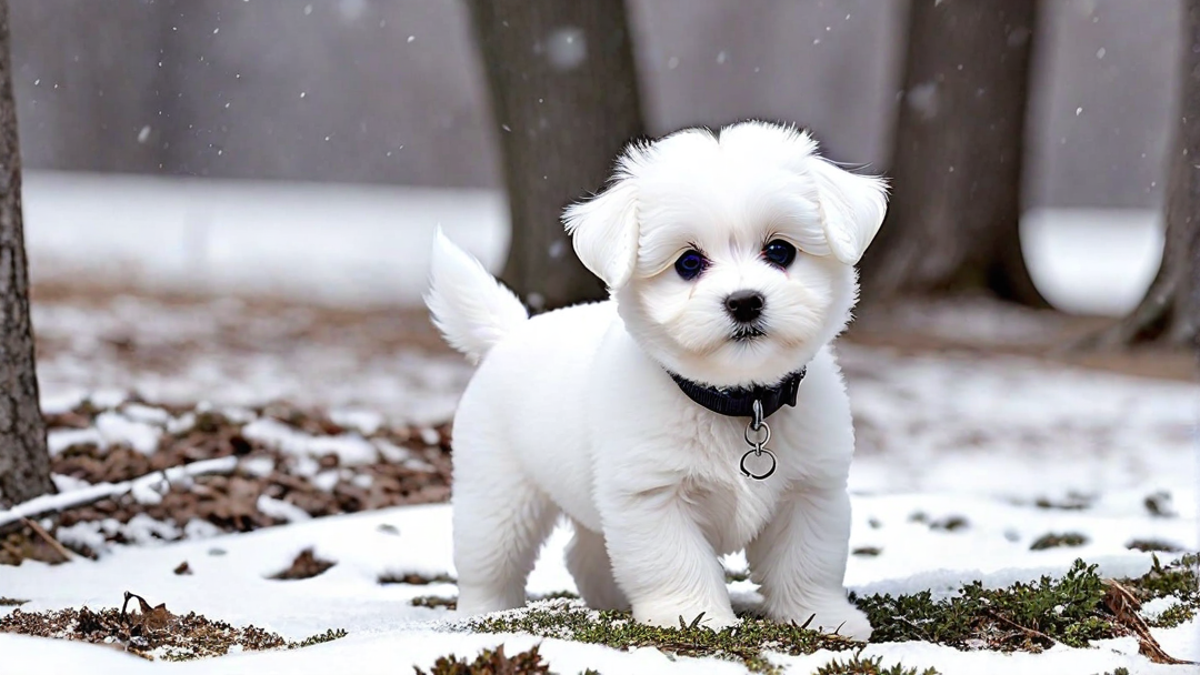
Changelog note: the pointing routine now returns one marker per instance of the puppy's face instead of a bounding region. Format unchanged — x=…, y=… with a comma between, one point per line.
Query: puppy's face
x=731, y=256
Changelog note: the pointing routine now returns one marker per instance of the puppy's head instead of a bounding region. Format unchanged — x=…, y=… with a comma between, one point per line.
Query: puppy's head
x=731, y=255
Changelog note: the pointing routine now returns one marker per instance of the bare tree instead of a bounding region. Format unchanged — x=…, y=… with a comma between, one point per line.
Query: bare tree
x=24, y=461
x=1170, y=312
x=954, y=214
x=565, y=99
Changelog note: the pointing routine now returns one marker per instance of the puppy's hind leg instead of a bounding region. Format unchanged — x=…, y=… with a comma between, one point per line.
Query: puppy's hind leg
x=501, y=521
x=588, y=562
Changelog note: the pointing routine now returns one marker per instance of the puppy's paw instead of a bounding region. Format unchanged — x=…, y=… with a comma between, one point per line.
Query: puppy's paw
x=834, y=616
x=667, y=616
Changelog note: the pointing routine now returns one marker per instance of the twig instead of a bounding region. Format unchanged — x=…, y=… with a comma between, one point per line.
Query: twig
x=12, y=550
x=93, y=493
x=54, y=543
x=1024, y=629
x=1124, y=605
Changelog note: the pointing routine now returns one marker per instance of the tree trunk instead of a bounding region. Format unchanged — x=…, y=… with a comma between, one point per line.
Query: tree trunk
x=953, y=221
x=24, y=461
x=565, y=100
x=1170, y=312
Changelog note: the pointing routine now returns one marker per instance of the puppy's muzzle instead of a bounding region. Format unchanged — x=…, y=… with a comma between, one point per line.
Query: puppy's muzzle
x=745, y=306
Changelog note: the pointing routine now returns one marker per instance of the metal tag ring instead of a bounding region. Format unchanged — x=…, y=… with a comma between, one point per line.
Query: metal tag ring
x=758, y=452
x=766, y=434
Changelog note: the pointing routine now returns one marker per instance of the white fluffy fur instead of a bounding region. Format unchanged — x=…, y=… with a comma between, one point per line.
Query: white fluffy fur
x=572, y=413
x=471, y=309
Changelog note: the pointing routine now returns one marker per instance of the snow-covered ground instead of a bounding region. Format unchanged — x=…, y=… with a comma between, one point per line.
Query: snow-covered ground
x=363, y=245
x=974, y=438
x=388, y=635
x=334, y=244
x=966, y=438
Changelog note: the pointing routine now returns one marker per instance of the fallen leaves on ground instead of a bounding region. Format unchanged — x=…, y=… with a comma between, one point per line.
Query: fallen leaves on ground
x=306, y=566
x=491, y=662
x=152, y=632
x=316, y=486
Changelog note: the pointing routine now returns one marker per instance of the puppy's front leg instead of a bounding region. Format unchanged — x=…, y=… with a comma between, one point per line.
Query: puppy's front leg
x=799, y=560
x=662, y=560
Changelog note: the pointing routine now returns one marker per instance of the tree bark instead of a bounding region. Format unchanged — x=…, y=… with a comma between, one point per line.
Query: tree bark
x=954, y=215
x=24, y=460
x=565, y=100
x=1169, y=314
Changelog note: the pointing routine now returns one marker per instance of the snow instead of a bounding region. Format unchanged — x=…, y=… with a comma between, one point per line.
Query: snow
x=1155, y=608
x=116, y=428
x=350, y=448
x=277, y=508
x=206, y=235
x=111, y=428
x=234, y=586
x=91, y=493
x=148, y=414
x=59, y=440
x=980, y=439
x=247, y=360
x=1092, y=261
x=258, y=466
x=365, y=422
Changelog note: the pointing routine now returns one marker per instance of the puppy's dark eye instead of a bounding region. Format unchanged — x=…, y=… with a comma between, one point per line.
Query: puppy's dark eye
x=690, y=265
x=780, y=253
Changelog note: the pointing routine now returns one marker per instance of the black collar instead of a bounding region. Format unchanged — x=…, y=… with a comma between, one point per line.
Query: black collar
x=738, y=401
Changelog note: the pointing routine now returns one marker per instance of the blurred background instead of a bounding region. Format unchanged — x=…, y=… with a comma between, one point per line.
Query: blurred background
x=307, y=149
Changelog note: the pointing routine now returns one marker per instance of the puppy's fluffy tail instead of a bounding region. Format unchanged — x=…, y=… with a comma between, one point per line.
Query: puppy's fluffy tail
x=469, y=306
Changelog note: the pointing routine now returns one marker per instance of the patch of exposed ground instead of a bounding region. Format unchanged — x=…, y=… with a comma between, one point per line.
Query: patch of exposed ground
x=152, y=632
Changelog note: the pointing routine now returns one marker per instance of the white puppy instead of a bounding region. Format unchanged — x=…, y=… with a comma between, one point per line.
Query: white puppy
x=730, y=260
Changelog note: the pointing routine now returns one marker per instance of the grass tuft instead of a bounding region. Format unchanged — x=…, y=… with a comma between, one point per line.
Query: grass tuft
x=491, y=662
x=870, y=666
x=1053, y=540
x=1073, y=610
x=1180, y=579
x=320, y=638
x=1027, y=617
x=415, y=578
x=746, y=642
x=1153, y=546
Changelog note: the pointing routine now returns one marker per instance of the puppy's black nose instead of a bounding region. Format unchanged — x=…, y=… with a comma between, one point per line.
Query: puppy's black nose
x=744, y=306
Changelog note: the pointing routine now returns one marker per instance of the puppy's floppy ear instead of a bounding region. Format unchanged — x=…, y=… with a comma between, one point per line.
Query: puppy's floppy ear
x=604, y=231
x=852, y=208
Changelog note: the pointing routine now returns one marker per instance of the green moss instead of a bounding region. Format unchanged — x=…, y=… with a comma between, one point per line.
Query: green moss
x=1023, y=616
x=859, y=666
x=321, y=638
x=433, y=602
x=1175, y=616
x=1153, y=545
x=1159, y=504
x=950, y=523
x=1074, y=501
x=415, y=578
x=1180, y=579
x=745, y=642
x=1069, y=610
x=1052, y=540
